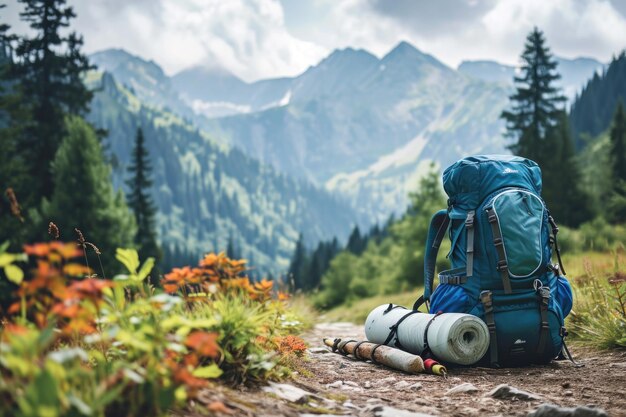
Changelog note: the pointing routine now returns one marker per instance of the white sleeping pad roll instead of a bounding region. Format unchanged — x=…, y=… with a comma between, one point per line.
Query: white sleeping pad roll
x=452, y=337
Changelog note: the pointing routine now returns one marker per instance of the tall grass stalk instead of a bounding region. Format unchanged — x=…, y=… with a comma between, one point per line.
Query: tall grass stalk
x=599, y=314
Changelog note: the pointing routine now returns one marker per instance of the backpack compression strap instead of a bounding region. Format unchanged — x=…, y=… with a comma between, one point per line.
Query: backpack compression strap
x=436, y=232
x=487, y=300
x=502, y=265
x=544, y=335
x=555, y=231
x=469, y=251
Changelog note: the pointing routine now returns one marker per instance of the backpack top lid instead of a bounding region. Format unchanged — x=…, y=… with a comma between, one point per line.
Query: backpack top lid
x=469, y=181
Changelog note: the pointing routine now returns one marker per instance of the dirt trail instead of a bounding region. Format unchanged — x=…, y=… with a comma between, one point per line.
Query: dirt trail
x=601, y=382
x=338, y=385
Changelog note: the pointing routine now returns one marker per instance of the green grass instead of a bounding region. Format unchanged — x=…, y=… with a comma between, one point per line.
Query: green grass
x=577, y=265
x=599, y=314
x=356, y=312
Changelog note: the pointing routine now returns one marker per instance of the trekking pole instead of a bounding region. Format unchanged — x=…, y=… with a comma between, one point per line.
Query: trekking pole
x=385, y=355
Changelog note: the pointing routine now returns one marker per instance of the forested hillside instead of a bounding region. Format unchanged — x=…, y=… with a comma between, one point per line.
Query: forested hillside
x=599, y=125
x=593, y=110
x=207, y=194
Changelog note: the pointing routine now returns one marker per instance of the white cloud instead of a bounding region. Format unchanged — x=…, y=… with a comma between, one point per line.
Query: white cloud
x=480, y=30
x=247, y=37
x=255, y=39
x=572, y=27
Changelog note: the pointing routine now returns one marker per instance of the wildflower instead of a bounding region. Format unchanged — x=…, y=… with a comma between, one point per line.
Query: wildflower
x=16, y=210
x=53, y=230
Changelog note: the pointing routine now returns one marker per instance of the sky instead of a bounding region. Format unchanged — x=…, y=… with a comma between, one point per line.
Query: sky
x=257, y=39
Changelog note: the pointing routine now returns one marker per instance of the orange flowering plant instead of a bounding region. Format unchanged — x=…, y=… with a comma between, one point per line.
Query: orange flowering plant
x=217, y=273
x=87, y=345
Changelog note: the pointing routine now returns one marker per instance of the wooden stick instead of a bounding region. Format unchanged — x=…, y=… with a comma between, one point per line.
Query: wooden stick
x=385, y=355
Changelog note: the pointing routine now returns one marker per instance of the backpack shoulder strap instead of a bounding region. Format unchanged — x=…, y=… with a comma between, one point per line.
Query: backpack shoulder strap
x=436, y=232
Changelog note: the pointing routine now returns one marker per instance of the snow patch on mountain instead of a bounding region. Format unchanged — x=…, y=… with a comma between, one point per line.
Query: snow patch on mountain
x=218, y=108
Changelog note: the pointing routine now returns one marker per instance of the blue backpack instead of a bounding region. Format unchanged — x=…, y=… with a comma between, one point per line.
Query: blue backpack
x=502, y=236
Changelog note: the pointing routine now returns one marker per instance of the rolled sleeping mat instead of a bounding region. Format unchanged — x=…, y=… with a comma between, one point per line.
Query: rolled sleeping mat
x=452, y=337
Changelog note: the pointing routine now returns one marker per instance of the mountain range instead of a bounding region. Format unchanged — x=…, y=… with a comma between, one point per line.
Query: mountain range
x=358, y=129
x=363, y=126
x=207, y=194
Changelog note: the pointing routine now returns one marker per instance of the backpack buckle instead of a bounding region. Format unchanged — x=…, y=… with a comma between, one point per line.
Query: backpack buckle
x=486, y=300
x=555, y=228
x=502, y=265
x=469, y=220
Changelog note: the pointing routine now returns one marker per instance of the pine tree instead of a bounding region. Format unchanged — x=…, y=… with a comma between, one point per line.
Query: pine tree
x=536, y=102
x=563, y=192
x=618, y=143
x=140, y=200
x=356, y=242
x=84, y=197
x=49, y=68
x=298, y=265
x=538, y=123
x=231, y=251
x=13, y=120
x=617, y=201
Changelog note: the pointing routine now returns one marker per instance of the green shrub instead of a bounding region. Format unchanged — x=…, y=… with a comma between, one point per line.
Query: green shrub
x=75, y=345
x=597, y=235
x=599, y=313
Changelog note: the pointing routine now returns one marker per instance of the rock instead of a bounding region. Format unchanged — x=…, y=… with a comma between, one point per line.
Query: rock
x=384, y=411
x=345, y=385
x=550, y=410
x=348, y=404
x=387, y=380
x=336, y=384
x=288, y=392
x=336, y=327
x=618, y=365
x=566, y=385
x=465, y=388
x=415, y=387
x=324, y=415
x=507, y=392
x=401, y=385
x=318, y=350
x=568, y=393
